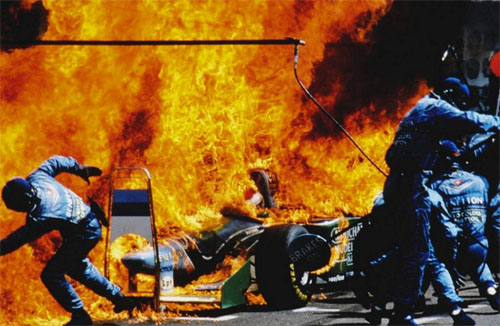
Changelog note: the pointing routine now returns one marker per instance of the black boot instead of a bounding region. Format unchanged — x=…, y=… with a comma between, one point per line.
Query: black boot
x=80, y=317
x=375, y=315
x=363, y=298
x=420, y=305
x=123, y=303
x=461, y=318
x=400, y=320
x=493, y=297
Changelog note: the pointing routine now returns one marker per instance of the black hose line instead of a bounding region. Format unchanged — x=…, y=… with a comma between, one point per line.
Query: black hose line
x=284, y=41
x=306, y=91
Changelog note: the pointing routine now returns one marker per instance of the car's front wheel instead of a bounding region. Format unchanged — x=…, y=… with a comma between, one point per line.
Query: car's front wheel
x=279, y=281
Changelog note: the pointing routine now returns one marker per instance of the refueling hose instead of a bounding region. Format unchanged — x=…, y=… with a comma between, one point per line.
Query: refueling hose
x=306, y=91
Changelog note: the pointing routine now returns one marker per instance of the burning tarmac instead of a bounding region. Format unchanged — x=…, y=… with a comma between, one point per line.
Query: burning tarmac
x=199, y=118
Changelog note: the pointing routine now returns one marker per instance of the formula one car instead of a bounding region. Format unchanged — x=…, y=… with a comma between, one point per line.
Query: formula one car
x=286, y=263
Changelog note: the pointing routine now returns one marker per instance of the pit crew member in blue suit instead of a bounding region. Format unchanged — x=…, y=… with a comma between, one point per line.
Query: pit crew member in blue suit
x=481, y=155
x=51, y=206
x=464, y=244
x=413, y=152
x=436, y=270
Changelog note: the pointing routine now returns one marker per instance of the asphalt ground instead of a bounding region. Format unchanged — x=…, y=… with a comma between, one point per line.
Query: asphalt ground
x=336, y=308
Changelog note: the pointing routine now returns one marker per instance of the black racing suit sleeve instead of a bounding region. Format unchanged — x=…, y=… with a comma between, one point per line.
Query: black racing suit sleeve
x=30, y=231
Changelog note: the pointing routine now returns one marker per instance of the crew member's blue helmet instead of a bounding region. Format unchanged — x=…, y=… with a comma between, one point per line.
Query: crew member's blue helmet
x=449, y=155
x=18, y=195
x=454, y=92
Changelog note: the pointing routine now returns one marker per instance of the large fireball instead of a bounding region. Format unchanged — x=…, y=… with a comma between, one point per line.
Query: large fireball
x=197, y=117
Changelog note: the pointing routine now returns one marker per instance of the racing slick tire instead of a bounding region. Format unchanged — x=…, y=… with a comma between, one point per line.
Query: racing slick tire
x=281, y=284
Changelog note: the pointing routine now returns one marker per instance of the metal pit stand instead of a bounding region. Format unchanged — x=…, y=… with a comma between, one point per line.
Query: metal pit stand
x=131, y=212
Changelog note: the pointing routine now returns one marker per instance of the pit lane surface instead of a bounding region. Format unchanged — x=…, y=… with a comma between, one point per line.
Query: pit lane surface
x=338, y=308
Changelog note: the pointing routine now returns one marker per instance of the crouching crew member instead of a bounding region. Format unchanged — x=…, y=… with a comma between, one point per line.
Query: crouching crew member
x=466, y=198
x=481, y=156
x=437, y=272
x=51, y=206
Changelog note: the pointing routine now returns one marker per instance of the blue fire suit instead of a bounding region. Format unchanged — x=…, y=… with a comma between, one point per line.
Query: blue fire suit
x=414, y=151
x=483, y=155
x=439, y=275
x=61, y=209
x=466, y=197
x=435, y=270
x=441, y=280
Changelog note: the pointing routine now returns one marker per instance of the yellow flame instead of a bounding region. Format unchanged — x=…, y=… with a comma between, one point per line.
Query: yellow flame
x=199, y=118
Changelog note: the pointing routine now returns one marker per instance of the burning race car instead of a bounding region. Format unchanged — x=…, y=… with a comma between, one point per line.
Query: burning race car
x=286, y=263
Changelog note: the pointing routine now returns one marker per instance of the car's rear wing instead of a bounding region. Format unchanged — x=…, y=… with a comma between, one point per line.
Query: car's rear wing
x=131, y=212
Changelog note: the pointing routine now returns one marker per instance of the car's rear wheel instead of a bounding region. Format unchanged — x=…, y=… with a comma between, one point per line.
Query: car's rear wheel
x=279, y=281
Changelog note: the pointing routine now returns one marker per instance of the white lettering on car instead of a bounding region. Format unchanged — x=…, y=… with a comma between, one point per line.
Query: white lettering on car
x=307, y=252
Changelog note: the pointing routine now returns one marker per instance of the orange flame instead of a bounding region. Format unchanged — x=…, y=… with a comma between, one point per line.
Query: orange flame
x=197, y=117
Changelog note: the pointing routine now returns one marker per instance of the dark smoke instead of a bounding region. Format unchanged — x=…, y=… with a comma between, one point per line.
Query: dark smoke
x=139, y=127
x=21, y=23
x=406, y=46
x=137, y=137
